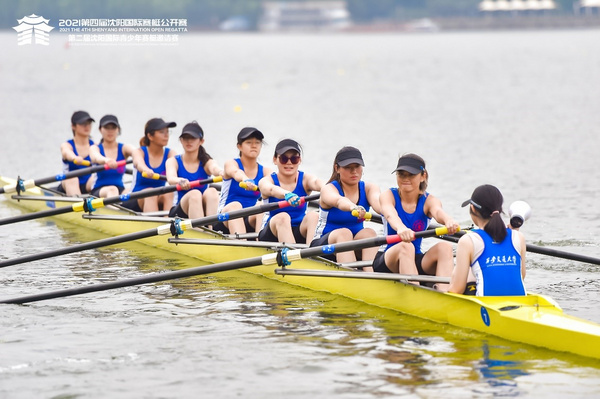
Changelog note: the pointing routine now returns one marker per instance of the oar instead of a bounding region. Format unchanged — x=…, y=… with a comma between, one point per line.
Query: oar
x=156, y=176
x=23, y=185
x=91, y=204
x=175, y=228
x=282, y=258
x=153, y=176
x=544, y=251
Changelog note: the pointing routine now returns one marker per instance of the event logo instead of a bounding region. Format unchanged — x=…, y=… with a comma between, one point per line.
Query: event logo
x=33, y=27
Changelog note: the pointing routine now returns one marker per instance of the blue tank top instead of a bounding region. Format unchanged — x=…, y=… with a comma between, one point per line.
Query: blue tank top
x=416, y=221
x=199, y=174
x=334, y=218
x=296, y=213
x=232, y=192
x=139, y=182
x=110, y=177
x=498, y=268
x=70, y=166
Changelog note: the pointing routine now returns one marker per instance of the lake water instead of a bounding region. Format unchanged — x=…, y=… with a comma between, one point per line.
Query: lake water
x=514, y=109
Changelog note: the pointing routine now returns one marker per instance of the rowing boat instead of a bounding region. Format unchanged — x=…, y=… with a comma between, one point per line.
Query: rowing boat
x=533, y=319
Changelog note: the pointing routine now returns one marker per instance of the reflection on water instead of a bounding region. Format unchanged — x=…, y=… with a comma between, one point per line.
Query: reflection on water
x=500, y=374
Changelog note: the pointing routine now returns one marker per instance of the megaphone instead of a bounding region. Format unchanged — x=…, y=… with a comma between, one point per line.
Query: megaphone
x=519, y=212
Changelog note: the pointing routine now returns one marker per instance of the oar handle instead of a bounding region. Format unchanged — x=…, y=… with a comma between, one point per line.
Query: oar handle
x=120, y=164
x=244, y=184
x=154, y=176
x=198, y=183
x=368, y=215
x=82, y=163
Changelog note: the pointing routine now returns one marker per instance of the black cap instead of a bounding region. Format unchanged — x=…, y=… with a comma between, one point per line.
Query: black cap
x=248, y=132
x=411, y=164
x=80, y=117
x=193, y=129
x=155, y=124
x=286, y=145
x=349, y=155
x=485, y=197
x=108, y=119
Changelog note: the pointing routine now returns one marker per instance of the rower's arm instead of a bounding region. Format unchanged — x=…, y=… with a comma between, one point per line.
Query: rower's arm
x=95, y=155
x=433, y=208
x=139, y=163
x=388, y=209
x=172, y=168
x=373, y=194
x=268, y=188
x=67, y=153
x=464, y=253
x=212, y=168
x=331, y=198
x=312, y=183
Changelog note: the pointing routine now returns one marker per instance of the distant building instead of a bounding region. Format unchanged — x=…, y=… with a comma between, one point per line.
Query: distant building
x=587, y=7
x=516, y=6
x=304, y=16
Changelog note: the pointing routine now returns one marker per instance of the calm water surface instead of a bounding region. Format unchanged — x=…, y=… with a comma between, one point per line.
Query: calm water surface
x=515, y=109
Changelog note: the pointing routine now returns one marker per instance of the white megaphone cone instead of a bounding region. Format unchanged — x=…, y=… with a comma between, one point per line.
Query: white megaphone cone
x=519, y=212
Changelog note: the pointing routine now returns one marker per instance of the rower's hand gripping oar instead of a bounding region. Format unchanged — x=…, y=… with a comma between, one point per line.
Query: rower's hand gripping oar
x=156, y=176
x=356, y=212
x=23, y=185
x=91, y=204
x=282, y=258
x=175, y=228
x=249, y=185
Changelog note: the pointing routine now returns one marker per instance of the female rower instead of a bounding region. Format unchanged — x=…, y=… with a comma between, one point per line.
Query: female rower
x=109, y=183
x=290, y=225
x=194, y=164
x=494, y=253
x=75, y=153
x=409, y=208
x=344, y=202
x=247, y=171
x=150, y=160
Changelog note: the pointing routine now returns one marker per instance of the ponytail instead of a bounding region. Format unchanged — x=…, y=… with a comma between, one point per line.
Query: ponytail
x=486, y=202
x=203, y=156
x=144, y=141
x=495, y=227
x=335, y=176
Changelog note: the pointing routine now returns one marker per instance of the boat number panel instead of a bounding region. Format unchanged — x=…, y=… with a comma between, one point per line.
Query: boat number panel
x=485, y=316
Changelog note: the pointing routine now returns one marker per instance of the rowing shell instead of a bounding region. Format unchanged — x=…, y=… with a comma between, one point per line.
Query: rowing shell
x=533, y=319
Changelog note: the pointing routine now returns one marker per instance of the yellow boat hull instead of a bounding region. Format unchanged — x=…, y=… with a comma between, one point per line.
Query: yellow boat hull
x=533, y=319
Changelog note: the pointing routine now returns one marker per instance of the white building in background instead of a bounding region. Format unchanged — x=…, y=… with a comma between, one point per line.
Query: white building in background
x=516, y=6
x=586, y=6
x=304, y=16
x=33, y=27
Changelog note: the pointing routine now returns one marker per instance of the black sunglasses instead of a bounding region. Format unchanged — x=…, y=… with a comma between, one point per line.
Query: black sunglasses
x=294, y=158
